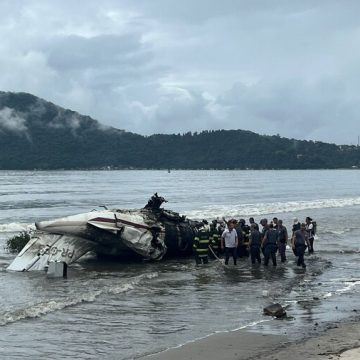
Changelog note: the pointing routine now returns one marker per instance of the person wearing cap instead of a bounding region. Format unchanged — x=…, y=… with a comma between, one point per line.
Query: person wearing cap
x=229, y=242
x=309, y=227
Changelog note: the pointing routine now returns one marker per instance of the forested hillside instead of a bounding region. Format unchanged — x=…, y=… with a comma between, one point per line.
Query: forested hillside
x=36, y=134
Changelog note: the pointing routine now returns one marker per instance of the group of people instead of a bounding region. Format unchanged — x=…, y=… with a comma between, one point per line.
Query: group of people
x=235, y=238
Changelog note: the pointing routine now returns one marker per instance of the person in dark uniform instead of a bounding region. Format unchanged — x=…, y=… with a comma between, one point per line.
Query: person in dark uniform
x=243, y=232
x=269, y=243
x=265, y=228
x=215, y=240
x=296, y=226
x=282, y=240
x=275, y=222
x=255, y=244
x=252, y=221
x=299, y=243
x=201, y=246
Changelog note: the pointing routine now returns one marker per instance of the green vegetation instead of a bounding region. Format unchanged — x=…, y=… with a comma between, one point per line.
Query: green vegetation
x=49, y=137
x=17, y=242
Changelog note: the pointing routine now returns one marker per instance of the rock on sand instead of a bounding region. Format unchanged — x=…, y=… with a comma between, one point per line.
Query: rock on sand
x=274, y=310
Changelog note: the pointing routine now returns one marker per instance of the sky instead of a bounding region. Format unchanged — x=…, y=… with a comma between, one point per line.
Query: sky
x=287, y=67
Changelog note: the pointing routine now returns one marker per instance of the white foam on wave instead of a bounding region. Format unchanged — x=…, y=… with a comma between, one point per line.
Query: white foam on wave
x=269, y=208
x=327, y=295
x=46, y=307
x=132, y=284
x=348, y=287
x=339, y=232
x=16, y=227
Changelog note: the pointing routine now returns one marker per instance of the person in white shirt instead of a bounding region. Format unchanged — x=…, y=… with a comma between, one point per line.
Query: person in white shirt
x=229, y=241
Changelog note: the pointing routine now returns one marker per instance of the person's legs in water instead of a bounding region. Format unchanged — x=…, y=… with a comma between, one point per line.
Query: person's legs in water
x=273, y=255
x=227, y=255
x=300, y=250
x=301, y=258
x=282, y=251
x=258, y=257
x=234, y=254
x=267, y=255
x=311, y=247
x=253, y=254
x=197, y=259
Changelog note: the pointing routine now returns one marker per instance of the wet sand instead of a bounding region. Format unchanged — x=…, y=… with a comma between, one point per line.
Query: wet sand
x=340, y=342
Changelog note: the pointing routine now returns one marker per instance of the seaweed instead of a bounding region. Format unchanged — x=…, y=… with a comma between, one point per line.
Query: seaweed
x=17, y=242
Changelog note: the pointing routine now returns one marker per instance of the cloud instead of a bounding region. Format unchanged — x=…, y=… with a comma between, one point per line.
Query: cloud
x=105, y=51
x=11, y=121
x=151, y=66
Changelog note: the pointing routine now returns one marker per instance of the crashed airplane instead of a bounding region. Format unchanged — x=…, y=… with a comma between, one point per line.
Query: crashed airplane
x=151, y=233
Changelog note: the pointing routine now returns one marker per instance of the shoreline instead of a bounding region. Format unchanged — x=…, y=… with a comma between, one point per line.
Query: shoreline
x=175, y=169
x=340, y=340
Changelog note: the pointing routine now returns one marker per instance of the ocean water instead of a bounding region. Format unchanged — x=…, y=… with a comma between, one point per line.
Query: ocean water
x=115, y=310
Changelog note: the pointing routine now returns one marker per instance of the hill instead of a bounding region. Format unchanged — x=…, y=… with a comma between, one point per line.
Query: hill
x=36, y=134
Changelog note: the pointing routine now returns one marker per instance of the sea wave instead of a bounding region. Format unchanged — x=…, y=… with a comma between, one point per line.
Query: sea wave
x=241, y=210
x=220, y=210
x=339, y=232
x=45, y=307
x=16, y=227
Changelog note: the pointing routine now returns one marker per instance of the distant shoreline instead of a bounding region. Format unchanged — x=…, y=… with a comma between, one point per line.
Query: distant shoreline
x=177, y=169
x=52, y=138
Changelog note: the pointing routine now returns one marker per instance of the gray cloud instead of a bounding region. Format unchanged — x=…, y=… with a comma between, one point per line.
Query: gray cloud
x=98, y=52
x=152, y=66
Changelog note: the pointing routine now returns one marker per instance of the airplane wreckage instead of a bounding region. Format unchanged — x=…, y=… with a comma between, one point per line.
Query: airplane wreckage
x=151, y=233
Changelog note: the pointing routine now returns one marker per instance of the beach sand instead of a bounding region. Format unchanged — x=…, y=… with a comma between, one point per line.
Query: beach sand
x=340, y=342
x=351, y=354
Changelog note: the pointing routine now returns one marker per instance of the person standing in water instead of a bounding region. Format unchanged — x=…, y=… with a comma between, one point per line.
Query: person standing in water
x=255, y=244
x=275, y=222
x=265, y=228
x=229, y=242
x=269, y=244
x=296, y=226
x=310, y=233
x=252, y=221
x=282, y=240
x=201, y=245
x=299, y=242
